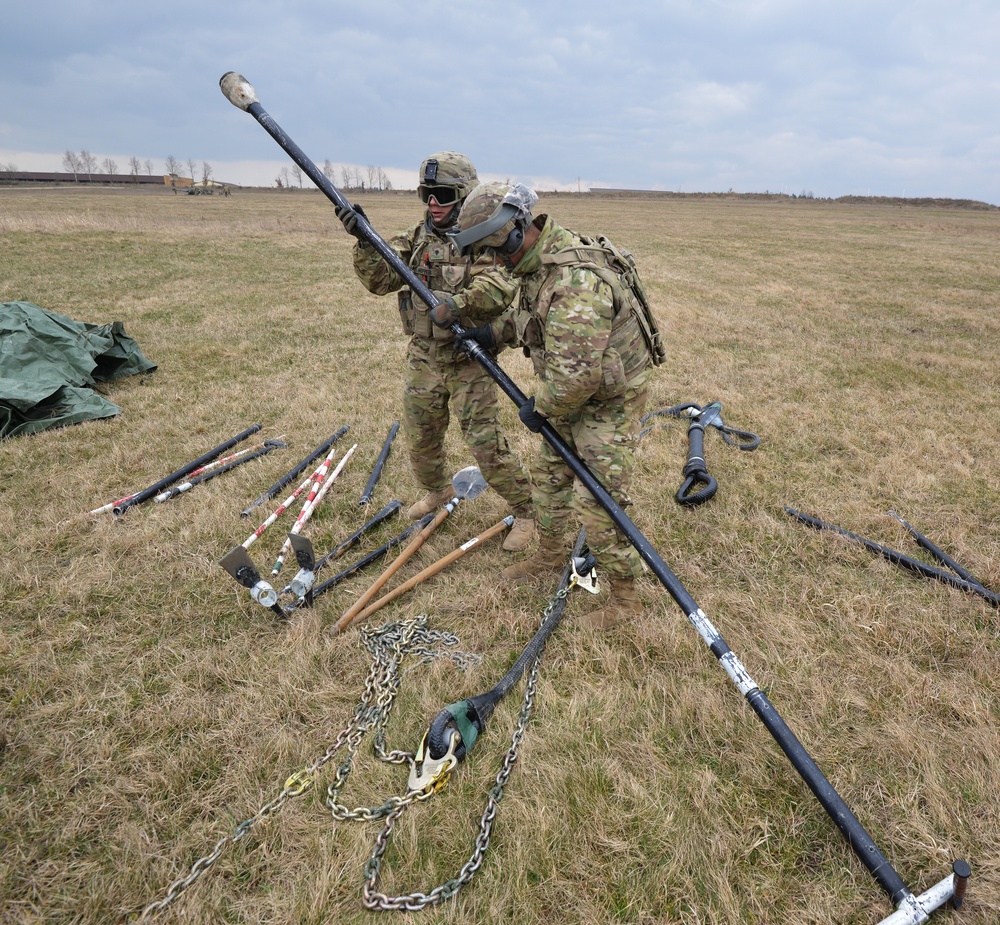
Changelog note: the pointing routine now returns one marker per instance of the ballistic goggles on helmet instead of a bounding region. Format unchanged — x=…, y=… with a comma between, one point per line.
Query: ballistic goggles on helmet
x=443, y=195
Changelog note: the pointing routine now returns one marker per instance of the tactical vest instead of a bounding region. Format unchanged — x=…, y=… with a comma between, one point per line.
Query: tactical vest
x=440, y=268
x=635, y=340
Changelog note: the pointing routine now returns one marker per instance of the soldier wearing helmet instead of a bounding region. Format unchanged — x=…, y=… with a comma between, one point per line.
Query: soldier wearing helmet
x=472, y=291
x=592, y=365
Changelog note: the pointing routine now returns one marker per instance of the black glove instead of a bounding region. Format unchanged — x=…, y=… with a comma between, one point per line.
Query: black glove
x=348, y=215
x=482, y=336
x=529, y=417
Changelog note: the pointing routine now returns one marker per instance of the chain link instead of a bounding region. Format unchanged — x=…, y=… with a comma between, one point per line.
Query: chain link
x=388, y=645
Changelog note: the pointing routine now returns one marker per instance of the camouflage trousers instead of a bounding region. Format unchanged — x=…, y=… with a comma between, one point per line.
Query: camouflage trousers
x=604, y=435
x=436, y=376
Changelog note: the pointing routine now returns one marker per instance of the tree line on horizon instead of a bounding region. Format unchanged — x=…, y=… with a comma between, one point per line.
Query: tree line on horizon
x=85, y=163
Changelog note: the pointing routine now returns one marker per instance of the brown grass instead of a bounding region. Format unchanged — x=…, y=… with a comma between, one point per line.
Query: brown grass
x=149, y=706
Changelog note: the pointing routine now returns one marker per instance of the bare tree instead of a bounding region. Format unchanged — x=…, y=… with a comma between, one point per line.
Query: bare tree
x=372, y=172
x=88, y=162
x=71, y=164
x=109, y=166
x=148, y=164
x=134, y=167
x=173, y=165
x=328, y=170
x=8, y=168
x=383, y=180
x=297, y=174
x=285, y=177
x=206, y=172
x=190, y=167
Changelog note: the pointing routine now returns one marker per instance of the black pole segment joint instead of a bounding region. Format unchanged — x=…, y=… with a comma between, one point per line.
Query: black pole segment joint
x=937, y=552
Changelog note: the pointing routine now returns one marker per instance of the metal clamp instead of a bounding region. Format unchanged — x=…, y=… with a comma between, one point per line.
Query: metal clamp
x=427, y=771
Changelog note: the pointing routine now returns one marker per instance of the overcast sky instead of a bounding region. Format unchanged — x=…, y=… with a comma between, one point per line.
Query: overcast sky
x=826, y=97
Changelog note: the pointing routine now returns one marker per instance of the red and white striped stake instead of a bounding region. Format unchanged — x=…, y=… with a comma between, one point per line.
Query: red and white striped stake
x=279, y=510
x=311, y=502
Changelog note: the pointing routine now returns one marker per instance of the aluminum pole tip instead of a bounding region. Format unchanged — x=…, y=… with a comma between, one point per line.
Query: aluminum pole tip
x=238, y=90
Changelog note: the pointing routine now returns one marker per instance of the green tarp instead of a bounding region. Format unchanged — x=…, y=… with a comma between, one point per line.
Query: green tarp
x=48, y=364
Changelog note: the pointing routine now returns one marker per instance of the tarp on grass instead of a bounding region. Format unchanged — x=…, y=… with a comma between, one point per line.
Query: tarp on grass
x=49, y=363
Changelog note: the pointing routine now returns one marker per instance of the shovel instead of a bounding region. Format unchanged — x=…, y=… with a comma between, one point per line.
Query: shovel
x=468, y=483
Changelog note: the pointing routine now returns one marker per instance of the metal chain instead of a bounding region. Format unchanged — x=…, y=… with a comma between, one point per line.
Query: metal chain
x=413, y=902
x=389, y=645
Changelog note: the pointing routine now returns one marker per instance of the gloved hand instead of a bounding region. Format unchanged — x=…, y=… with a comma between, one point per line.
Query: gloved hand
x=348, y=215
x=444, y=313
x=482, y=336
x=529, y=417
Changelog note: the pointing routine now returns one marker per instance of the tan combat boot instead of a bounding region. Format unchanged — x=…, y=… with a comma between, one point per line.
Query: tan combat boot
x=430, y=502
x=622, y=604
x=521, y=535
x=552, y=554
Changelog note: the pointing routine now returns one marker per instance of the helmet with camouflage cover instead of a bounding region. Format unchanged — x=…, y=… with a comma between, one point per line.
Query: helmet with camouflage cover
x=494, y=216
x=447, y=176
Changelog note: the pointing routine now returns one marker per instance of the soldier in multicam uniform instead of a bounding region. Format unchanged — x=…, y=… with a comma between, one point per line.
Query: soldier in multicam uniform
x=592, y=364
x=474, y=292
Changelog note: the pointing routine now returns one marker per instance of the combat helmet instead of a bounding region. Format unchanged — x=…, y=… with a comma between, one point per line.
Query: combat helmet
x=494, y=216
x=448, y=176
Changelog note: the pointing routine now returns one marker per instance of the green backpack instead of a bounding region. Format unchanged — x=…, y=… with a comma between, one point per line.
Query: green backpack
x=616, y=266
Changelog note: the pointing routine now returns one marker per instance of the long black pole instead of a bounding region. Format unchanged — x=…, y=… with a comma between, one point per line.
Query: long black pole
x=899, y=558
x=366, y=495
x=122, y=506
x=242, y=95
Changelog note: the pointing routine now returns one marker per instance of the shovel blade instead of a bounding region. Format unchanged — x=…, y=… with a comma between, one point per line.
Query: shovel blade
x=468, y=483
x=239, y=564
x=305, y=556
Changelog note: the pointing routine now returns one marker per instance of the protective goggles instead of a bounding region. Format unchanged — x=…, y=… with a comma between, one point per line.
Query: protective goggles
x=444, y=195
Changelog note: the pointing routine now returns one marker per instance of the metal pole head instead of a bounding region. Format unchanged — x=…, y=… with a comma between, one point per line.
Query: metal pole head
x=468, y=483
x=238, y=90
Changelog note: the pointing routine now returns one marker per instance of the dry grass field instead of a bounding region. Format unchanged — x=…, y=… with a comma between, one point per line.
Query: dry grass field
x=148, y=707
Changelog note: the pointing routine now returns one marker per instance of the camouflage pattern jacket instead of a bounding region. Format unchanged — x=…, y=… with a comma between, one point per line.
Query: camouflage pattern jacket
x=480, y=289
x=580, y=347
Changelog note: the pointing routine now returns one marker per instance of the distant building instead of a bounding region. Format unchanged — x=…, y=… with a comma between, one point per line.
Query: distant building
x=172, y=181
x=8, y=177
